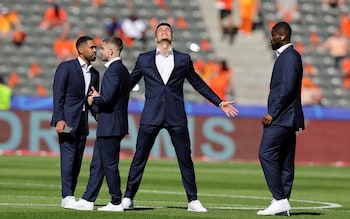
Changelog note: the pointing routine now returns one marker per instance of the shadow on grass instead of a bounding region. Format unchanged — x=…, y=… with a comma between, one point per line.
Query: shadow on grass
x=153, y=208
x=305, y=213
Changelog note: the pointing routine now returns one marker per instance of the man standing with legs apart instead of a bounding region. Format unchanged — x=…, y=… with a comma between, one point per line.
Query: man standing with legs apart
x=111, y=106
x=72, y=83
x=285, y=117
x=164, y=71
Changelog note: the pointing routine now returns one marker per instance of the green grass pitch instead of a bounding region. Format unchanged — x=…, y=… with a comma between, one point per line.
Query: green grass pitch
x=30, y=188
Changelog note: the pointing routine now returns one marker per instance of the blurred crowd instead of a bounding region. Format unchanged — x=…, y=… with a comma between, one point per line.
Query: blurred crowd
x=337, y=46
x=236, y=18
x=131, y=29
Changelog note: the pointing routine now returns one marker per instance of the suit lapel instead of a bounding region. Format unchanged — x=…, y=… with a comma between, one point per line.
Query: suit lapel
x=176, y=59
x=152, y=59
x=81, y=76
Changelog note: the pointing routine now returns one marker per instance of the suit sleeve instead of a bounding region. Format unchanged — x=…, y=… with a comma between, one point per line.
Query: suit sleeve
x=59, y=91
x=96, y=84
x=109, y=89
x=136, y=74
x=283, y=90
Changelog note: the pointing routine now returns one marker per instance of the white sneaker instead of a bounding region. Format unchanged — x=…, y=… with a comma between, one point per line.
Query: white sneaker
x=67, y=200
x=276, y=207
x=111, y=207
x=127, y=203
x=82, y=205
x=196, y=206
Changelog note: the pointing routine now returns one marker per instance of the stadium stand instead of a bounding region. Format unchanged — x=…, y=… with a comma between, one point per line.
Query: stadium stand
x=84, y=18
x=316, y=24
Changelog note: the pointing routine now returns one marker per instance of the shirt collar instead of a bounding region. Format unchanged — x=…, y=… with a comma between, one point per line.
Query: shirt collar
x=282, y=48
x=170, y=52
x=107, y=64
x=84, y=65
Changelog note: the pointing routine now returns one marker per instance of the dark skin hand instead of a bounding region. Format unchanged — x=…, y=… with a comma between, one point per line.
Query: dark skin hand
x=267, y=120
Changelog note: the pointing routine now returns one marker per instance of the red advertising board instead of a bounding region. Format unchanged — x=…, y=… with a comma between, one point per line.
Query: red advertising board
x=212, y=137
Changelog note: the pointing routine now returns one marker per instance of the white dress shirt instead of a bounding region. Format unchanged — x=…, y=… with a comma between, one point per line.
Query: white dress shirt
x=282, y=48
x=87, y=76
x=86, y=72
x=107, y=64
x=165, y=64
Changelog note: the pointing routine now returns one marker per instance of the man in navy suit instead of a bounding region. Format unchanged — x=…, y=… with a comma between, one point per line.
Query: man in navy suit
x=72, y=83
x=164, y=71
x=284, y=117
x=112, y=125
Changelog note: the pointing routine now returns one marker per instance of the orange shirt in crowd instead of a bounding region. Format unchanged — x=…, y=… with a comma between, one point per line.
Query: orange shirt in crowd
x=345, y=25
x=34, y=70
x=221, y=82
x=310, y=92
x=345, y=66
x=309, y=69
x=9, y=20
x=162, y=4
x=247, y=9
x=51, y=19
x=63, y=48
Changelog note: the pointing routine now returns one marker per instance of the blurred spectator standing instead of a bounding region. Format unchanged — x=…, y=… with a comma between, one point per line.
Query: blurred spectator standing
x=220, y=83
x=9, y=22
x=225, y=8
x=63, y=47
x=113, y=27
x=310, y=92
x=34, y=70
x=55, y=16
x=287, y=10
x=338, y=47
x=210, y=69
x=5, y=95
x=199, y=65
x=134, y=28
x=247, y=12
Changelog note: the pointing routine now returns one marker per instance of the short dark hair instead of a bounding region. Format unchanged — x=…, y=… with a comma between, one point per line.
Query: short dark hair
x=81, y=40
x=283, y=27
x=164, y=24
x=115, y=41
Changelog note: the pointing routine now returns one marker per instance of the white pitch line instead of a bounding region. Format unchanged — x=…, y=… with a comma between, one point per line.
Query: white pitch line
x=325, y=204
x=29, y=204
x=322, y=205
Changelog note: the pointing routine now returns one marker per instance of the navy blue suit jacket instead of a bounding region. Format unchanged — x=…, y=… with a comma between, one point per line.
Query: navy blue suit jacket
x=69, y=93
x=284, y=101
x=112, y=104
x=165, y=102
